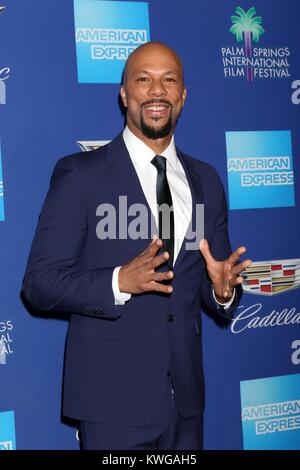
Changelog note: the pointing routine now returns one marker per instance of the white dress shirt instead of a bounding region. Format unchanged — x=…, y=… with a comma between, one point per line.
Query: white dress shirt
x=141, y=156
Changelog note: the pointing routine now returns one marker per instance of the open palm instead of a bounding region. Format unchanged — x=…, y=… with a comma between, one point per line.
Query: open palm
x=224, y=275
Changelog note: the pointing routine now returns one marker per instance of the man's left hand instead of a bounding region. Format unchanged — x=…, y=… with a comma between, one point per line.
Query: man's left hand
x=224, y=275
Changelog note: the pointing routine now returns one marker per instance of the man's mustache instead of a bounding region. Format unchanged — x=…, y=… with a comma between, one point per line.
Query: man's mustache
x=156, y=101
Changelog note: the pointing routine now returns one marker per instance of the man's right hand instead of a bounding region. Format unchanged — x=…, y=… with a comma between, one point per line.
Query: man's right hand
x=139, y=275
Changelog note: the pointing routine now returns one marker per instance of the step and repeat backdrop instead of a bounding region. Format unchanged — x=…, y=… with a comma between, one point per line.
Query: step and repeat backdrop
x=60, y=70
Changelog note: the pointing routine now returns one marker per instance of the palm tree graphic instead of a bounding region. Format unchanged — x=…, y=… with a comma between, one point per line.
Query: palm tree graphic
x=247, y=26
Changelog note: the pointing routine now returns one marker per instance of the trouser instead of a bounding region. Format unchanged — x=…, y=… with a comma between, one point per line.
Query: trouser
x=168, y=431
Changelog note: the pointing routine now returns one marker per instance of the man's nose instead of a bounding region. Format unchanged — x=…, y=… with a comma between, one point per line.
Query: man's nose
x=157, y=88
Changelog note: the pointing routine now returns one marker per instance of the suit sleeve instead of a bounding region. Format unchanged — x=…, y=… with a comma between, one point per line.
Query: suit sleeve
x=52, y=281
x=221, y=249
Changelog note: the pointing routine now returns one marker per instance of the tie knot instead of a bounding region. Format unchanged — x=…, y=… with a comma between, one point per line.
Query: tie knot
x=159, y=162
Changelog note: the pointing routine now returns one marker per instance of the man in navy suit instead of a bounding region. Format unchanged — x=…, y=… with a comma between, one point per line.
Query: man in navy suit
x=133, y=366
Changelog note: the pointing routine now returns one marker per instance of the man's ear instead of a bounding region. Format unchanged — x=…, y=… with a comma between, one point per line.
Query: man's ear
x=123, y=95
x=184, y=95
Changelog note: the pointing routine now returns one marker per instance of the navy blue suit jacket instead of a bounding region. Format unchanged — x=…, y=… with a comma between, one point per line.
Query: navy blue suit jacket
x=117, y=357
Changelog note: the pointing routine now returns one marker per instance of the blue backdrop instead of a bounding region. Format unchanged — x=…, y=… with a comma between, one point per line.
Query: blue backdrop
x=44, y=110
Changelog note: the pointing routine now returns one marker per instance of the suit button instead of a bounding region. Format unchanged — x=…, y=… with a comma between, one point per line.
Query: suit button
x=171, y=318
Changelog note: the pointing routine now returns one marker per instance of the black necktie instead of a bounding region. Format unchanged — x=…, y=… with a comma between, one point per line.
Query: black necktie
x=164, y=201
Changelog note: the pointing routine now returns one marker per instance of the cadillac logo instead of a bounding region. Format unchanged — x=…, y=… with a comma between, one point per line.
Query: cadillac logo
x=87, y=145
x=272, y=277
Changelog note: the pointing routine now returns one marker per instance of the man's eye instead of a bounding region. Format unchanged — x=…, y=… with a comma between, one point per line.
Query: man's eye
x=142, y=79
x=170, y=79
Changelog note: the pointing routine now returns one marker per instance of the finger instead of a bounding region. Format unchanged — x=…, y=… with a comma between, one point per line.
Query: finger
x=204, y=248
x=166, y=289
x=236, y=281
x=151, y=243
x=235, y=256
x=241, y=267
x=159, y=259
x=152, y=249
x=158, y=277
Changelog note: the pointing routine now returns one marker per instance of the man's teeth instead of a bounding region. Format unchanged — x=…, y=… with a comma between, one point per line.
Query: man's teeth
x=156, y=108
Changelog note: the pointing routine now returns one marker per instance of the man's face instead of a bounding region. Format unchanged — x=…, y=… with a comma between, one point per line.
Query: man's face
x=153, y=91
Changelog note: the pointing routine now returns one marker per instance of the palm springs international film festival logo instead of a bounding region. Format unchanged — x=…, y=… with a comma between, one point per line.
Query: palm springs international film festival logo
x=271, y=413
x=6, y=340
x=106, y=32
x=272, y=277
x=4, y=75
x=260, y=169
x=246, y=61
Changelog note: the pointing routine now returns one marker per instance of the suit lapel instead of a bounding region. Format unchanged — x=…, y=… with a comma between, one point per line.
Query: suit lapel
x=126, y=182
x=195, y=185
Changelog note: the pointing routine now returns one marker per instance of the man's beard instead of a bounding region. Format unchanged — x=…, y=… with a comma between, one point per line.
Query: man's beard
x=154, y=132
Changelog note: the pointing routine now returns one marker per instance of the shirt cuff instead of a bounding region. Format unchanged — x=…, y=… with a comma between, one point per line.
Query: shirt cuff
x=226, y=305
x=120, y=297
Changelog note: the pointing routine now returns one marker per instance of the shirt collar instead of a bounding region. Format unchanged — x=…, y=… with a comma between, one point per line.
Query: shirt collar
x=141, y=155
